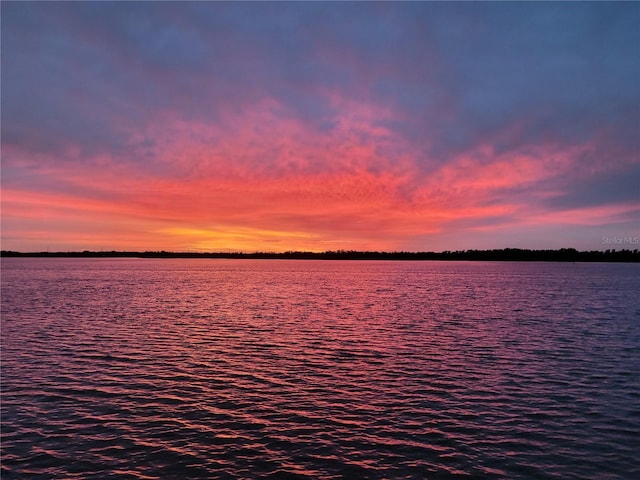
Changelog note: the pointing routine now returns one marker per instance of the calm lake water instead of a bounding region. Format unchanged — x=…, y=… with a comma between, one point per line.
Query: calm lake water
x=247, y=369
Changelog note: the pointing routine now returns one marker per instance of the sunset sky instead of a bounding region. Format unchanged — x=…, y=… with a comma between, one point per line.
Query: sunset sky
x=319, y=126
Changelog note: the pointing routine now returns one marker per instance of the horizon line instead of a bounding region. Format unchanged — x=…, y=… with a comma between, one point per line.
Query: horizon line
x=498, y=254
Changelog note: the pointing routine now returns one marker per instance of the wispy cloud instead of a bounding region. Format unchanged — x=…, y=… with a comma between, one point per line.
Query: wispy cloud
x=315, y=126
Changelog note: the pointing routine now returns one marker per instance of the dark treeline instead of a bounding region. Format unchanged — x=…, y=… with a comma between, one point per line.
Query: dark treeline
x=505, y=254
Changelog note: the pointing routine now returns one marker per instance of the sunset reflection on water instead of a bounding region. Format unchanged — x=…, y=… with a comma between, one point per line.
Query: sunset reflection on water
x=318, y=369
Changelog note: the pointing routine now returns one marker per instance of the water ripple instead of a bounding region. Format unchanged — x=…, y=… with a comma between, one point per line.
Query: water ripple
x=161, y=369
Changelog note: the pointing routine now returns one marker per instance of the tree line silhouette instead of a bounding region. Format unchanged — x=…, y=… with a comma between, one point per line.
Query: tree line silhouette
x=505, y=254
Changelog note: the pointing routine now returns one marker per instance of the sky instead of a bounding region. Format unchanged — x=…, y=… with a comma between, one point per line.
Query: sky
x=320, y=126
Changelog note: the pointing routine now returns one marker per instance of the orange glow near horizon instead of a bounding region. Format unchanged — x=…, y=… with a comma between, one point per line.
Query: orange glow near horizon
x=287, y=207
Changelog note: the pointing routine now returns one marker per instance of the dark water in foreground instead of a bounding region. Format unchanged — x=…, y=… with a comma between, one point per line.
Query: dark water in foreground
x=115, y=368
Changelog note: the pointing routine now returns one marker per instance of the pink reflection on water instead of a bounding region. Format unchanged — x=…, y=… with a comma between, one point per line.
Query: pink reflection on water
x=321, y=369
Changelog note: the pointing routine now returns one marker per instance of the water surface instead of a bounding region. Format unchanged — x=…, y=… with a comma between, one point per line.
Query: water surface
x=245, y=369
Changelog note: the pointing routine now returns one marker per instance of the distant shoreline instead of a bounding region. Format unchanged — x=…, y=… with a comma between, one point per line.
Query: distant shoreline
x=506, y=254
